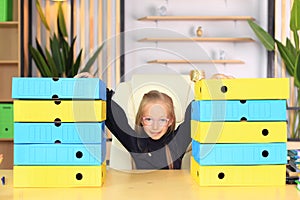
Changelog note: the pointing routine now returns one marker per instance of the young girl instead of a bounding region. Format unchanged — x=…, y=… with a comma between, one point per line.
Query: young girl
x=154, y=144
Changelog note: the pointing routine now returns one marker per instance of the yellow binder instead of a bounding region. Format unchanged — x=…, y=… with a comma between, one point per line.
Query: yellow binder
x=65, y=111
x=257, y=175
x=238, y=132
x=244, y=88
x=59, y=176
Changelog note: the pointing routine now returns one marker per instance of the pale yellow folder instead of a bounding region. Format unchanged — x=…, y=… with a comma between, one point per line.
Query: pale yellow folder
x=256, y=175
x=238, y=132
x=65, y=111
x=59, y=176
x=242, y=89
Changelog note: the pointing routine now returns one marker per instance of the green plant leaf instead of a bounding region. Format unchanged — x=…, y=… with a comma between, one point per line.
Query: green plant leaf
x=92, y=59
x=295, y=16
x=296, y=39
x=55, y=50
x=287, y=57
x=61, y=24
x=70, y=60
x=40, y=49
x=76, y=65
x=290, y=47
x=41, y=14
x=297, y=71
x=65, y=49
x=265, y=38
x=40, y=62
x=52, y=65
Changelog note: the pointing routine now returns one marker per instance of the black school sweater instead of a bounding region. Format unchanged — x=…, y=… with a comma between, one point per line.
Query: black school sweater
x=146, y=152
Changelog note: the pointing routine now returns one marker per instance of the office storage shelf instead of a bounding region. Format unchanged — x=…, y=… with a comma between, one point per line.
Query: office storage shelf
x=193, y=18
x=196, y=61
x=9, y=67
x=198, y=39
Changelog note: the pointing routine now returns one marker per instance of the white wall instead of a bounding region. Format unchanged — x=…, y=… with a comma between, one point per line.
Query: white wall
x=138, y=53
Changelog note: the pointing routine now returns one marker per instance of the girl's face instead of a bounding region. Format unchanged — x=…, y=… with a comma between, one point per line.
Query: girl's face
x=156, y=120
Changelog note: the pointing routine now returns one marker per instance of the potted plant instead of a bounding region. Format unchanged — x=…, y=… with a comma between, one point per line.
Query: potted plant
x=290, y=54
x=59, y=60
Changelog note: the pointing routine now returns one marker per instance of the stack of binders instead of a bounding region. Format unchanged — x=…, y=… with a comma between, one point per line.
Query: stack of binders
x=239, y=132
x=59, y=132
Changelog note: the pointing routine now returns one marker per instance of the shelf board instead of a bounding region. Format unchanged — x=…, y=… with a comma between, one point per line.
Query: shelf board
x=210, y=18
x=196, y=61
x=198, y=39
x=6, y=139
x=9, y=23
x=9, y=62
x=6, y=100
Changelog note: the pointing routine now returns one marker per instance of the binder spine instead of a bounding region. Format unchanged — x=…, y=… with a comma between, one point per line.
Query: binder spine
x=239, y=154
x=63, y=133
x=64, y=111
x=67, y=154
x=58, y=88
x=257, y=175
x=59, y=176
x=242, y=88
x=6, y=121
x=235, y=132
x=235, y=110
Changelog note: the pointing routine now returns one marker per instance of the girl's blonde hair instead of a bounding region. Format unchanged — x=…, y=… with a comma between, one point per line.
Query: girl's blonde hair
x=154, y=96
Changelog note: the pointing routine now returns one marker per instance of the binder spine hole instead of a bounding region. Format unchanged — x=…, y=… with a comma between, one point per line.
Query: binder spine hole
x=224, y=89
x=79, y=154
x=197, y=174
x=57, y=142
x=221, y=175
x=57, y=102
x=243, y=101
x=6, y=129
x=55, y=97
x=57, y=122
x=265, y=153
x=200, y=90
x=55, y=79
x=265, y=132
x=79, y=176
x=243, y=119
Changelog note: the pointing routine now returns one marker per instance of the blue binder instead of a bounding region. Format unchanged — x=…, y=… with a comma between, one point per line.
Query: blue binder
x=59, y=154
x=64, y=133
x=234, y=110
x=62, y=88
x=239, y=154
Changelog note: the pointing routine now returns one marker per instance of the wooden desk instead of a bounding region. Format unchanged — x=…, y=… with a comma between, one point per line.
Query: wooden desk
x=153, y=185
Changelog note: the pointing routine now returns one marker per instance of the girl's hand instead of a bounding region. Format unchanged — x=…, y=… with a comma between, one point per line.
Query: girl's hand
x=1, y=158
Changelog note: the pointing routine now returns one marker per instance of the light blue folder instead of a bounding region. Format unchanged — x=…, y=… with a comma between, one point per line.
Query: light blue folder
x=64, y=133
x=59, y=154
x=62, y=88
x=239, y=154
x=235, y=110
